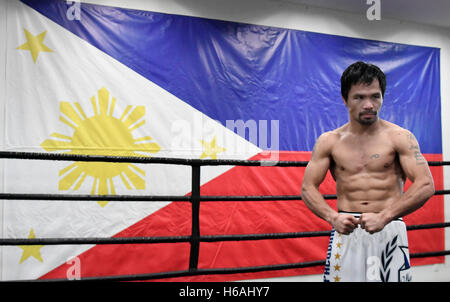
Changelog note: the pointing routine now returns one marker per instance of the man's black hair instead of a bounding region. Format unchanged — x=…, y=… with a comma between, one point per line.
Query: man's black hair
x=361, y=73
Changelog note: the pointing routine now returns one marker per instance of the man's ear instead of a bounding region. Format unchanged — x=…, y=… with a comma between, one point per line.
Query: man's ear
x=345, y=101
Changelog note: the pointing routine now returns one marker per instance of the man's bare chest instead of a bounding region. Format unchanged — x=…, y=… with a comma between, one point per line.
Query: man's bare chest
x=360, y=156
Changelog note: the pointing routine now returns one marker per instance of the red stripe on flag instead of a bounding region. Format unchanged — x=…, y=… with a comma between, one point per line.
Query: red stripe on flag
x=218, y=218
x=428, y=240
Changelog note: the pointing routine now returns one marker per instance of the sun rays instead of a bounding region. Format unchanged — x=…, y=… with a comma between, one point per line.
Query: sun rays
x=101, y=134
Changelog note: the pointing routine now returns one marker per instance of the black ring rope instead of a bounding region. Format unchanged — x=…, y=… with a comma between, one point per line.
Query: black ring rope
x=218, y=271
x=193, y=272
x=178, y=239
x=156, y=198
x=148, y=160
x=195, y=198
x=162, y=160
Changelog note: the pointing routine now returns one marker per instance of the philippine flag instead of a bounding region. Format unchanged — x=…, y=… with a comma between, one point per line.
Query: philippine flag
x=100, y=80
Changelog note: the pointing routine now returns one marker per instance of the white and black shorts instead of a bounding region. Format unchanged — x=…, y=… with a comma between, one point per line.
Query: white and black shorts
x=361, y=256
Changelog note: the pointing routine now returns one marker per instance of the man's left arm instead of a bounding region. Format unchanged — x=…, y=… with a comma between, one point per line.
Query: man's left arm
x=415, y=166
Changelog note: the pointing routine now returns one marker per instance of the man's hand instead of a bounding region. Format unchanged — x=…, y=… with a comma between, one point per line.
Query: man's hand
x=372, y=222
x=344, y=223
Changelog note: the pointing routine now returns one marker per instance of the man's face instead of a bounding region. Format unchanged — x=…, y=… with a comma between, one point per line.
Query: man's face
x=364, y=102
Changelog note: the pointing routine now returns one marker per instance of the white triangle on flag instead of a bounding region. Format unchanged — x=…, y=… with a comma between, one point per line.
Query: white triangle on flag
x=75, y=72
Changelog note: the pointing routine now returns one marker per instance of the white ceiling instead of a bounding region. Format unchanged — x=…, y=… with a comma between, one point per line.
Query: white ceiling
x=430, y=12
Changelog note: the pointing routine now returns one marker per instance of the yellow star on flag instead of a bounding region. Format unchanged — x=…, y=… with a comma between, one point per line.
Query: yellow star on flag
x=31, y=250
x=337, y=279
x=210, y=149
x=339, y=245
x=337, y=256
x=35, y=44
x=337, y=268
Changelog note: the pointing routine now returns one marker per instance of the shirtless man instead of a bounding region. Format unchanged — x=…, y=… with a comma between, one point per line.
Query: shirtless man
x=369, y=158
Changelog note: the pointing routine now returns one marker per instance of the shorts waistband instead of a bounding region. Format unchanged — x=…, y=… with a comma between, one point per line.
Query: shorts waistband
x=358, y=214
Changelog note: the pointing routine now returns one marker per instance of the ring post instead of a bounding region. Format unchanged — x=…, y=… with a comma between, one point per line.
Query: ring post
x=195, y=231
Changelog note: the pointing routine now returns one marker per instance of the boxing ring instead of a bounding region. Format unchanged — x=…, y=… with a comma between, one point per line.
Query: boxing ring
x=195, y=199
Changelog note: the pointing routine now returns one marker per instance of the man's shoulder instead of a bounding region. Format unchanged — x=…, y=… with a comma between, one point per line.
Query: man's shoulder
x=401, y=138
x=327, y=140
x=335, y=134
x=330, y=136
x=395, y=130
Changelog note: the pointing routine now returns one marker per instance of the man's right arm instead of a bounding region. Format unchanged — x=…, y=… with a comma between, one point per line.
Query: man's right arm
x=315, y=173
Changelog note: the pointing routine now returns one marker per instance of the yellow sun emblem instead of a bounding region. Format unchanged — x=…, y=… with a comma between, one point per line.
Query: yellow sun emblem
x=101, y=134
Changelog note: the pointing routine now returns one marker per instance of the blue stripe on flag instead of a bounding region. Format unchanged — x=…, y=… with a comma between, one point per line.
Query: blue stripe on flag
x=235, y=71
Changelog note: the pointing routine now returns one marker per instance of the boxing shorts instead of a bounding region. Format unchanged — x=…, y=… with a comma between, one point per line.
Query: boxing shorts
x=364, y=257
